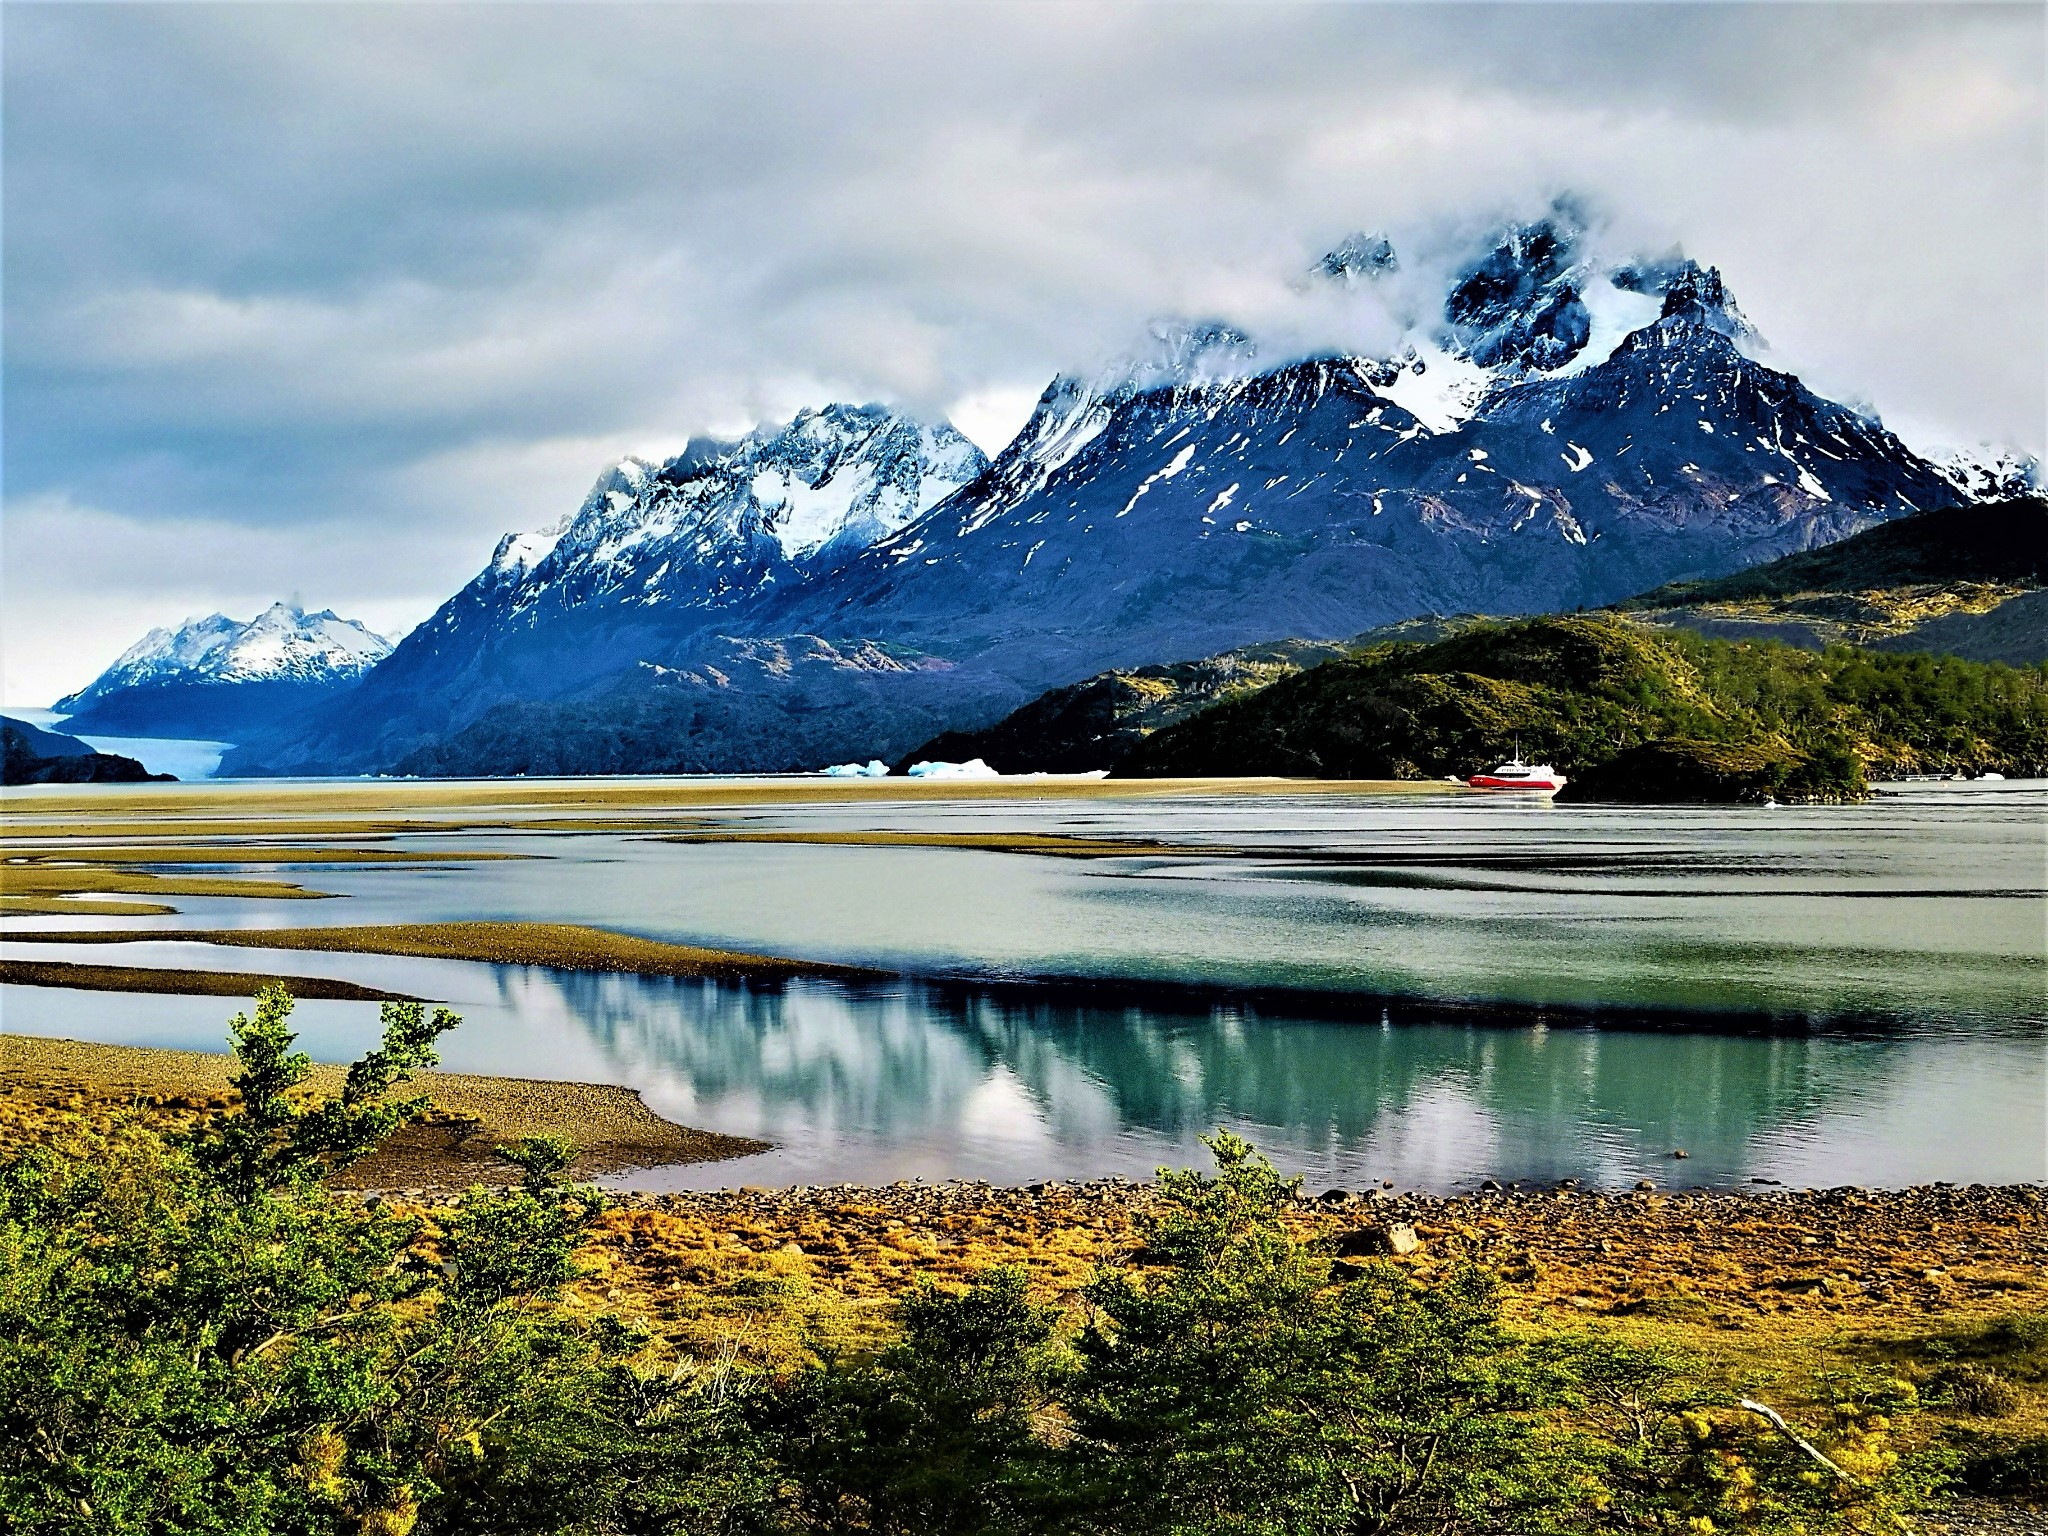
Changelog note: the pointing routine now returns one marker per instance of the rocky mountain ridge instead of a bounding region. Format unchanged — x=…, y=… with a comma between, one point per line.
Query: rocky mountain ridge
x=1559, y=432
x=655, y=551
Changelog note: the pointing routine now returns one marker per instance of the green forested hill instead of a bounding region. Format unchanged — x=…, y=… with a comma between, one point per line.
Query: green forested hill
x=1090, y=724
x=1629, y=711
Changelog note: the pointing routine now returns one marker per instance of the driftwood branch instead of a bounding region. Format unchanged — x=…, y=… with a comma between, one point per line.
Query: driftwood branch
x=1776, y=1420
x=1772, y=1417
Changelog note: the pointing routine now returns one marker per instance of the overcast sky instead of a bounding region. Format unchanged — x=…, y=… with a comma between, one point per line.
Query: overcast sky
x=319, y=300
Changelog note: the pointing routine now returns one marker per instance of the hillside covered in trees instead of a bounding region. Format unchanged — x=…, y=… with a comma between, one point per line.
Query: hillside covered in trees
x=1629, y=711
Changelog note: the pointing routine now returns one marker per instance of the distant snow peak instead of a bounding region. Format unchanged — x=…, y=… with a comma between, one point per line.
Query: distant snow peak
x=283, y=643
x=1359, y=258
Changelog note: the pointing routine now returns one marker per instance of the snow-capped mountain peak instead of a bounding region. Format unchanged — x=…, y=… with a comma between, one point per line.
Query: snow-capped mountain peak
x=726, y=518
x=1697, y=296
x=1522, y=302
x=284, y=643
x=1359, y=258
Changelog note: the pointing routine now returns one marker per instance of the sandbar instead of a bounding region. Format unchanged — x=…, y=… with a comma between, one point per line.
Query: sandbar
x=142, y=978
x=43, y=1082
x=558, y=946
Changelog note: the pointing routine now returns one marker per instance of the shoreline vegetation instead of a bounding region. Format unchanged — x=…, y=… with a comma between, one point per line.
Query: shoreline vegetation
x=1627, y=712
x=211, y=1284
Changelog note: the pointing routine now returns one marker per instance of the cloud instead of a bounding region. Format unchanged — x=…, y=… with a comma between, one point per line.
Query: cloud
x=357, y=284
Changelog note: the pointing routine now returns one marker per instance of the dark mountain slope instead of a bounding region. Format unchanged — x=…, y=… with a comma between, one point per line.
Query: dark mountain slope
x=2000, y=541
x=44, y=743
x=747, y=706
x=1198, y=517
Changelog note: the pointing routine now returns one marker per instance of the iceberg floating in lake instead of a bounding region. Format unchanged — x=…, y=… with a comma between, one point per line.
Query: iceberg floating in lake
x=873, y=768
x=973, y=768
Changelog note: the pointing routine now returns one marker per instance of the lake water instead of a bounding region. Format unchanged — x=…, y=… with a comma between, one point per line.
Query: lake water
x=1427, y=989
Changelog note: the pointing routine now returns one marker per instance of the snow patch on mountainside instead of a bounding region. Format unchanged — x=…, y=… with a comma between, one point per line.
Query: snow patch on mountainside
x=1988, y=472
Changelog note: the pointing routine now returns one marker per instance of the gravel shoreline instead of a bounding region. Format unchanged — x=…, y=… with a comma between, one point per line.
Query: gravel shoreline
x=1717, y=1258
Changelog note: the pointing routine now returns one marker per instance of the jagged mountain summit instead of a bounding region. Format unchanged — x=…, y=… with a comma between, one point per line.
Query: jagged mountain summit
x=213, y=676
x=1554, y=430
x=655, y=552
x=721, y=520
x=1192, y=516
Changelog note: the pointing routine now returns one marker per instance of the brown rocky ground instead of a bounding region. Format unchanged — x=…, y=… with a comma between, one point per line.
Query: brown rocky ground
x=1714, y=1263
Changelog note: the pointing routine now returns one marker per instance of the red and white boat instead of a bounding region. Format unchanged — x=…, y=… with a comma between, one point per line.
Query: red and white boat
x=1538, y=778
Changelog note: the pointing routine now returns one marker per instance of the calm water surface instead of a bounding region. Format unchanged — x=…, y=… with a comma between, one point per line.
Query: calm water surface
x=1828, y=995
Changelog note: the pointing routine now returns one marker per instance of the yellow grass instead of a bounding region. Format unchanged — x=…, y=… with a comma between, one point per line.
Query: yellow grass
x=162, y=804
x=42, y=880
x=230, y=853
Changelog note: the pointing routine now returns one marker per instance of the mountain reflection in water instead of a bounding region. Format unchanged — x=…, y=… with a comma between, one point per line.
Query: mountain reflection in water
x=913, y=1080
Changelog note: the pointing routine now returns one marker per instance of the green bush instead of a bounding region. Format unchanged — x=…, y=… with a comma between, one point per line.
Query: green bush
x=195, y=1336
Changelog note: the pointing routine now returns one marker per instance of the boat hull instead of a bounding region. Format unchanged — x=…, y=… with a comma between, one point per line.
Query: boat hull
x=1526, y=786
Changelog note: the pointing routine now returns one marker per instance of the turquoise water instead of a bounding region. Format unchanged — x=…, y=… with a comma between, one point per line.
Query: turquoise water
x=1399, y=988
